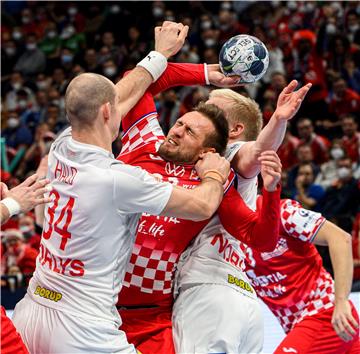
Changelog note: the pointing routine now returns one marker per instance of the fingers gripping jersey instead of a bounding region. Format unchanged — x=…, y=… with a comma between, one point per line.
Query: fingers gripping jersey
x=291, y=280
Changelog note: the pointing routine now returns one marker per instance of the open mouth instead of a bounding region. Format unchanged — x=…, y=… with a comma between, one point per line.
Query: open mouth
x=172, y=142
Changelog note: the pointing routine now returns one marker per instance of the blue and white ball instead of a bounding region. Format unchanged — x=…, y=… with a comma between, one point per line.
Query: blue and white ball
x=245, y=56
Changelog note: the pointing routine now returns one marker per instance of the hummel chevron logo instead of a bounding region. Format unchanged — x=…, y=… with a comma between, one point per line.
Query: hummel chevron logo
x=289, y=350
x=149, y=57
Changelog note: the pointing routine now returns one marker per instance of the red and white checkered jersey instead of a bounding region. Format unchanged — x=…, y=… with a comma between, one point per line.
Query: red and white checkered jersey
x=291, y=280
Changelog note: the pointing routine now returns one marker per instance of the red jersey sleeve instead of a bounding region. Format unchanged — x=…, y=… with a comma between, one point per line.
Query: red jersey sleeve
x=178, y=74
x=259, y=229
x=298, y=222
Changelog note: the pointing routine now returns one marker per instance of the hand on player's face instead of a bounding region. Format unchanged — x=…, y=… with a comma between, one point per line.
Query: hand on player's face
x=217, y=78
x=170, y=37
x=212, y=161
x=270, y=169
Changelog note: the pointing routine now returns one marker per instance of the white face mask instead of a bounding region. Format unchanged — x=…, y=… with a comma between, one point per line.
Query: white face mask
x=353, y=28
x=157, y=11
x=330, y=28
x=22, y=103
x=31, y=46
x=17, y=35
x=336, y=153
x=42, y=85
x=291, y=5
x=210, y=42
x=51, y=34
x=10, y=51
x=205, y=25
x=72, y=11
x=13, y=123
x=25, y=20
x=25, y=228
x=343, y=172
x=115, y=9
x=16, y=85
x=110, y=71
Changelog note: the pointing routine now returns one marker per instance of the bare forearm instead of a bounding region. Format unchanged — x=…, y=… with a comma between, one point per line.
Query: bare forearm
x=132, y=87
x=270, y=138
x=197, y=204
x=339, y=243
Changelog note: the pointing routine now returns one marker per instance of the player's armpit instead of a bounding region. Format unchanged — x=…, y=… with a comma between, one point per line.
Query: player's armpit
x=259, y=229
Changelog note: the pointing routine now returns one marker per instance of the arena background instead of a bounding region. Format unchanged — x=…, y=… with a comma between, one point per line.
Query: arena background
x=45, y=44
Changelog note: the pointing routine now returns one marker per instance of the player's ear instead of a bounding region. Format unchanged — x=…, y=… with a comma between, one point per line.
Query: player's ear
x=106, y=110
x=207, y=149
x=236, y=130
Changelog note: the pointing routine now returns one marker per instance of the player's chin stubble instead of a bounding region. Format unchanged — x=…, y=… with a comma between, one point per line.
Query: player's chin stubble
x=176, y=156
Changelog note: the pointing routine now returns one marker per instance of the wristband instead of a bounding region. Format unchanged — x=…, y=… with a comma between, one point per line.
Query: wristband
x=155, y=63
x=214, y=174
x=12, y=205
x=206, y=74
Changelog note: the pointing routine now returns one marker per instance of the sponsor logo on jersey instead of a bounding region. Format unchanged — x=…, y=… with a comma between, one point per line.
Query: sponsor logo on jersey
x=289, y=350
x=48, y=294
x=280, y=249
x=240, y=283
x=174, y=170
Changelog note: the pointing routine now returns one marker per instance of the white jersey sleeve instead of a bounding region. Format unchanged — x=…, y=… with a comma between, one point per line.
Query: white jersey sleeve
x=299, y=222
x=129, y=180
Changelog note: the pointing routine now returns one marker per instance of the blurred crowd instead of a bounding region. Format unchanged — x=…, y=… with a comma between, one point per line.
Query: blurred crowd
x=46, y=44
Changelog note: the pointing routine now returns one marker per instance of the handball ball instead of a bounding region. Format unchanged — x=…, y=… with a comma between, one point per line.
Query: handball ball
x=245, y=56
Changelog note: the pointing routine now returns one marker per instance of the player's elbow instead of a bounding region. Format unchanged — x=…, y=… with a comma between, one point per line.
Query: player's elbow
x=203, y=211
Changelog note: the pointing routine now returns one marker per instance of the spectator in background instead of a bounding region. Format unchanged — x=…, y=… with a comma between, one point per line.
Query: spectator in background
x=306, y=191
x=351, y=138
x=344, y=100
x=91, y=61
x=341, y=201
x=319, y=145
x=18, y=257
x=9, y=56
x=33, y=60
x=72, y=40
x=329, y=170
x=16, y=134
x=51, y=43
x=28, y=229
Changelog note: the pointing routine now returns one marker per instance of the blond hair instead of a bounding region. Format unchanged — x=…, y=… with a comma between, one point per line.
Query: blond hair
x=243, y=110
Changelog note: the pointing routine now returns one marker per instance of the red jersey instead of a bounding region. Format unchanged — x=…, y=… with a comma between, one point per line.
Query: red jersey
x=161, y=240
x=349, y=103
x=291, y=280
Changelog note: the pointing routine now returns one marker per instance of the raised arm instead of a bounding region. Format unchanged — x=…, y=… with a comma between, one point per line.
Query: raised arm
x=270, y=138
x=339, y=243
x=168, y=40
x=259, y=229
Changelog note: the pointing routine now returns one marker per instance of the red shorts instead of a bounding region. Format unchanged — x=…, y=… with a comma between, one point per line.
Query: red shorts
x=11, y=342
x=150, y=330
x=316, y=335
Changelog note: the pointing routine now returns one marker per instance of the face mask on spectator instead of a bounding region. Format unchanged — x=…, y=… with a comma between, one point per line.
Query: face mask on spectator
x=330, y=28
x=110, y=71
x=209, y=42
x=291, y=5
x=12, y=123
x=68, y=32
x=26, y=231
x=158, y=11
x=115, y=9
x=10, y=51
x=17, y=35
x=51, y=34
x=22, y=104
x=225, y=6
x=336, y=153
x=309, y=7
x=343, y=172
x=25, y=20
x=353, y=28
x=66, y=58
x=224, y=26
x=205, y=25
x=16, y=85
x=31, y=46
x=72, y=11
x=41, y=85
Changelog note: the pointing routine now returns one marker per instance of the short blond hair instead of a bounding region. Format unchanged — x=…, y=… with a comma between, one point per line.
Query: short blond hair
x=243, y=110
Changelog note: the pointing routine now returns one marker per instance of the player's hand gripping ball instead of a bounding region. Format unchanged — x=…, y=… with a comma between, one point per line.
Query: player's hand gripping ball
x=245, y=56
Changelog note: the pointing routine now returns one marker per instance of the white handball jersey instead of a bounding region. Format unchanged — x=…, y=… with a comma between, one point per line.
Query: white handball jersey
x=89, y=228
x=199, y=264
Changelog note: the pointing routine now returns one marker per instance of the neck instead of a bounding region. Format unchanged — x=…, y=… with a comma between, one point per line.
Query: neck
x=236, y=139
x=93, y=137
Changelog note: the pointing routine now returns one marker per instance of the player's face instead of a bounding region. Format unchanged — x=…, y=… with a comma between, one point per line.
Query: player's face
x=185, y=140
